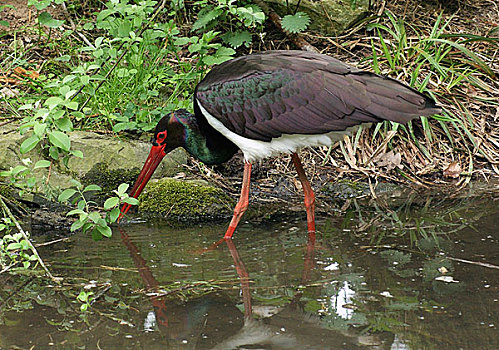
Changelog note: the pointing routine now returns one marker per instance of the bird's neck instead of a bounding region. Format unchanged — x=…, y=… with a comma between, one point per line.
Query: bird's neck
x=202, y=141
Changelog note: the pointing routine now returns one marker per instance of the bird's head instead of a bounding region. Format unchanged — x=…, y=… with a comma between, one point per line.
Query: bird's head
x=168, y=135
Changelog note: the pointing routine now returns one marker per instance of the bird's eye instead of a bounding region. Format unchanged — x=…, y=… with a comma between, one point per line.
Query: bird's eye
x=161, y=137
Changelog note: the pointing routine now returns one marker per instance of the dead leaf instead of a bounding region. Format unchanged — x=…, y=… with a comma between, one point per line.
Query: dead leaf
x=8, y=93
x=297, y=184
x=26, y=73
x=390, y=160
x=453, y=170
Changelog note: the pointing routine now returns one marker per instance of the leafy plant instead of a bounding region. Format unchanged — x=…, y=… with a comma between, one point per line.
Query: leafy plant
x=295, y=23
x=240, y=20
x=14, y=248
x=4, y=22
x=22, y=177
x=85, y=298
x=90, y=219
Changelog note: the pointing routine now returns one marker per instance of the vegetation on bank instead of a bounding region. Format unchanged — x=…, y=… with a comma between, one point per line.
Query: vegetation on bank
x=118, y=67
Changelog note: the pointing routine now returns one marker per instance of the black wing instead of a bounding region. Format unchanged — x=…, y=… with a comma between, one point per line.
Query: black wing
x=263, y=96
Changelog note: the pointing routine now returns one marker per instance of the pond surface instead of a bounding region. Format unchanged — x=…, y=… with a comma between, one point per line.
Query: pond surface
x=419, y=273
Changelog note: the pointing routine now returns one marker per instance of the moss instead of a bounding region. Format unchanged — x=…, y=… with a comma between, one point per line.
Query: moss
x=345, y=189
x=8, y=192
x=185, y=200
x=108, y=179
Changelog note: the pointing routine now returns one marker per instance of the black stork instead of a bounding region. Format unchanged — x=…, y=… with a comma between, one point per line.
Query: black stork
x=278, y=102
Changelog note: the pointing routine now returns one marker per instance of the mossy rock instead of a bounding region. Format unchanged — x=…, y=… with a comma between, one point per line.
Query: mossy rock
x=329, y=17
x=109, y=179
x=185, y=200
x=345, y=189
x=9, y=193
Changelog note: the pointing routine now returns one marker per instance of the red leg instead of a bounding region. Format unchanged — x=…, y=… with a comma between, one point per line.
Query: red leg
x=309, y=193
x=242, y=205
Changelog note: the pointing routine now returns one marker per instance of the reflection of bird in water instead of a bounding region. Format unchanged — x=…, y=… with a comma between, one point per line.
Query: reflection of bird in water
x=198, y=321
x=214, y=322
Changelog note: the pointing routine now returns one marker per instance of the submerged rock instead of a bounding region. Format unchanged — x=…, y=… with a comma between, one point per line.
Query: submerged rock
x=185, y=200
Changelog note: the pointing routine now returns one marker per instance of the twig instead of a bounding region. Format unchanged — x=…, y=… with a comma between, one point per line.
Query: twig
x=51, y=242
x=73, y=26
x=490, y=266
x=25, y=236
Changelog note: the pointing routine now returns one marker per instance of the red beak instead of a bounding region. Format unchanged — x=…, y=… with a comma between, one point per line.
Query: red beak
x=155, y=156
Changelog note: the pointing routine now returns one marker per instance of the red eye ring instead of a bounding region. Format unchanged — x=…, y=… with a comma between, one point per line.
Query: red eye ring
x=161, y=136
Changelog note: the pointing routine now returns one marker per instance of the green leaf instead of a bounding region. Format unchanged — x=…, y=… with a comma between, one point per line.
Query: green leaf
x=76, y=153
x=94, y=216
x=54, y=152
x=104, y=230
x=39, y=4
x=29, y=144
x=4, y=23
x=14, y=246
x=42, y=164
x=92, y=188
x=66, y=194
x=124, y=29
x=39, y=129
x=205, y=17
x=474, y=57
x=85, y=79
x=77, y=225
x=64, y=124
x=237, y=38
x=122, y=188
x=295, y=23
x=76, y=212
x=18, y=169
x=96, y=235
x=124, y=126
x=68, y=78
x=113, y=215
x=131, y=200
x=46, y=19
x=60, y=139
x=63, y=90
x=111, y=202
x=104, y=13
x=182, y=41
x=72, y=105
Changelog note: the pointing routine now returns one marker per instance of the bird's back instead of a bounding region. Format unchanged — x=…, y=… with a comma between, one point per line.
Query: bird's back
x=264, y=96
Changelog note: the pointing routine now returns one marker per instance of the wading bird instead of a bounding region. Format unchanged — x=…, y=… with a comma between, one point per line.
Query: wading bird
x=278, y=102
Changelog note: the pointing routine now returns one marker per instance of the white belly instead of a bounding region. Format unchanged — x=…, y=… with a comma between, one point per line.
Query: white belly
x=254, y=150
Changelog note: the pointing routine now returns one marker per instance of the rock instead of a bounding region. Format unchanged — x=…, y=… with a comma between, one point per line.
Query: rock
x=105, y=158
x=329, y=17
x=345, y=189
x=185, y=200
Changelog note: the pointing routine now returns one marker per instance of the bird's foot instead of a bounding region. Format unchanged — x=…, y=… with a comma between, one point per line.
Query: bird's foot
x=211, y=247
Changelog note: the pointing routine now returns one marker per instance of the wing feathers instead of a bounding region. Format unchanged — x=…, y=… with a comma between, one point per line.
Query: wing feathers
x=264, y=96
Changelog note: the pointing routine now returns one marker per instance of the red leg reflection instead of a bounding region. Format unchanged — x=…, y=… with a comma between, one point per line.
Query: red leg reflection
x=243, y=276
x=309, y=262
x=309, y=193
x=150, y=282
x=242, y=205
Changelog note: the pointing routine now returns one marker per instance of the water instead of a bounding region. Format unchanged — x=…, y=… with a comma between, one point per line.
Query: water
x=414, y=274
